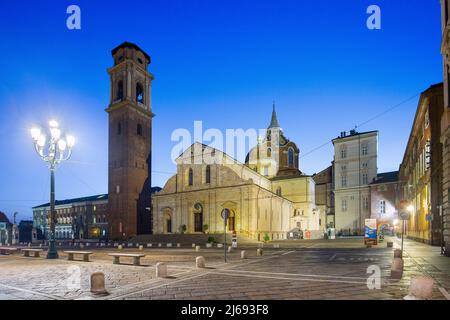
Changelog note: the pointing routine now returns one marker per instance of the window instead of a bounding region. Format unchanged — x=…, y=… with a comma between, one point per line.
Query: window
x=139, y=130
x=427, y=119
x=364, y=165
x=117, y=189
x=139, y=93
x=269, y=152
x=266, y=170
x=364, y=149
x=382, y=206
x=343, y=152
x=279, y=191
x=119, y=127
x=191, y=177
x=291, y=157
x=344, y=205
x=119, y=90
x=343, y=180
x=208, y=174
x=366, y=203
x=365, y=178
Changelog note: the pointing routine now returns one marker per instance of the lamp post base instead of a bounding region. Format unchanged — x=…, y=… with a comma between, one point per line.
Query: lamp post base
x=52, y=253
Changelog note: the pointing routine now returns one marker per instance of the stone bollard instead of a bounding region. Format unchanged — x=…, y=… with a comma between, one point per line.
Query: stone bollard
x=197, y=248
x=81, y=246
x=159, y=245
x=169, y=245
x=178, y=245
x=149, y=245
x=209, y=245
x=421, y=288
x=141, y=247
x=397, y=268
x=230, y=248
x=259, y=252
x=29, y=245
x=219, y=245
x=200, y=262
x=193, y=245
x=397, y=253
x=98, y=283
x=243, y=254
x=137, y=245
x=120, y=247
x=161, y=270
x=390, y=244
x=40, y=245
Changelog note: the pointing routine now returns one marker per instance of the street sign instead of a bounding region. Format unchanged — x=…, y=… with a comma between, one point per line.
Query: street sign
x=2, y=226
x=404, y=215
x=429, y=217
x=225, y=214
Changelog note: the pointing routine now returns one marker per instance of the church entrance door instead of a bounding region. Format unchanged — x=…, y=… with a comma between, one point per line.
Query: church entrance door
x=198, y=218
x=198, y=222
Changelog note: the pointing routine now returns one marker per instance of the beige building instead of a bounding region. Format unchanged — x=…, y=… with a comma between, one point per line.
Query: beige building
x=355, y=166
x=266, y=196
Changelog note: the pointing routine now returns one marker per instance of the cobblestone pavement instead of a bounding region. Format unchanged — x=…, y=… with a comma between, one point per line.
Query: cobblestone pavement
x=308, y=271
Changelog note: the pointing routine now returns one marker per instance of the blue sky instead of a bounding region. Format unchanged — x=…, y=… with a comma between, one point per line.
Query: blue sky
x=222, y=62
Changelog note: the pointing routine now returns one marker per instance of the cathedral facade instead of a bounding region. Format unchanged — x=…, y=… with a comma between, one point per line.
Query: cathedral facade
x=267, y=196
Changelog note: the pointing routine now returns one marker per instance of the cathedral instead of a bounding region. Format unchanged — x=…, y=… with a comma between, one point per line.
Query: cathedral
x=268, y=196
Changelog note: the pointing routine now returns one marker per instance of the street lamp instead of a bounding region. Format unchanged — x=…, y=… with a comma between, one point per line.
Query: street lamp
x=56, y=149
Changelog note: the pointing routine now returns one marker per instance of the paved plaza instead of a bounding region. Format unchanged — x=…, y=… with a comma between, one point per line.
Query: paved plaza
x=316, y=269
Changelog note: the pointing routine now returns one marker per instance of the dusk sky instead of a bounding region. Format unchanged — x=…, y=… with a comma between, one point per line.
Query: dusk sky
x=222, y=62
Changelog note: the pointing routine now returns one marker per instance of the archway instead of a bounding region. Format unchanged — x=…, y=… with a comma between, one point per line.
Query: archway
x=198, y=217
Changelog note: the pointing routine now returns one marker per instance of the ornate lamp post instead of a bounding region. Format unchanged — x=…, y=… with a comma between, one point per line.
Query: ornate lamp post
x=54, y=150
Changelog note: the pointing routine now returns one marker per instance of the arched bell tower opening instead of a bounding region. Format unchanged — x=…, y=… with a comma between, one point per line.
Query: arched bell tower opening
x=130, y=143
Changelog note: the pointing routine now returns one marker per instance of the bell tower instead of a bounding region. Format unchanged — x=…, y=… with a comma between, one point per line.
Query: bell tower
x=130, y=141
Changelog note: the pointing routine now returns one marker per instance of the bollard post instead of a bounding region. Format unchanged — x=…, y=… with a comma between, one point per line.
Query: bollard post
x=421, y=288
x=243, y=254
x=200, y=262
x=161, y=270
x=98, y=283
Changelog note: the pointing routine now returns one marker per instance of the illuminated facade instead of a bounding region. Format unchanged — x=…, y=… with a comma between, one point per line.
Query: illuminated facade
x=266, y=196
x=80, y=218
x=384, y=200
x=355, y=167
x=445, y=124
x=421, y=169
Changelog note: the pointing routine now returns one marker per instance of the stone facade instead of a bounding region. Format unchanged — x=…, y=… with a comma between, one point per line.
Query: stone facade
x=324, y=190
x=384, y=200
x=421, y=169
x=267, y=196
x=445, y=124
x=130, y=126
x=355, y=166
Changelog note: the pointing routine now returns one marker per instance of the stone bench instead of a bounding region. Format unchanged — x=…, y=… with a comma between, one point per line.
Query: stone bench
x=26, y=252
x=8, y=250
x=136, y=257
x=85, y=254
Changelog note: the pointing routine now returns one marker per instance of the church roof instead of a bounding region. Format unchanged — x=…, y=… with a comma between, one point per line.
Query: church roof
x=127, y=44
x=274, y=121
